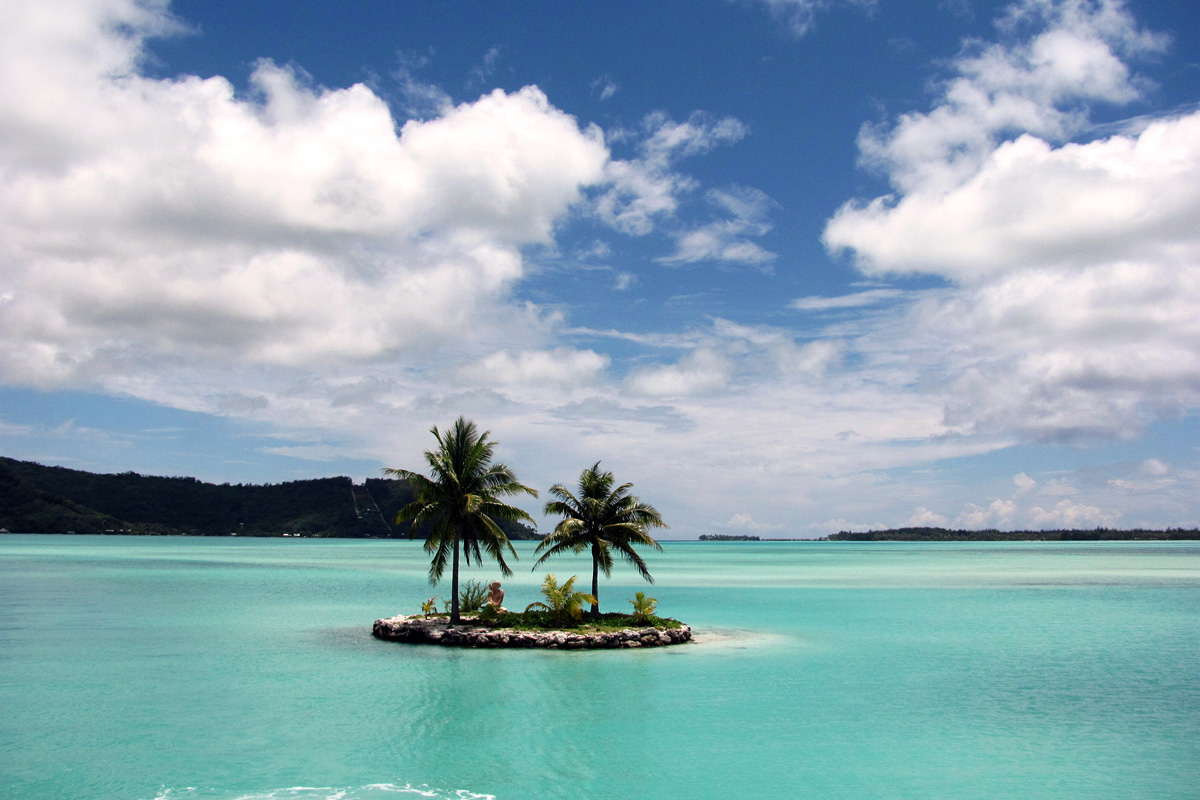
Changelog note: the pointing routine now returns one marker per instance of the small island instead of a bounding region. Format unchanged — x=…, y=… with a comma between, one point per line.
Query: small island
x=459, y=505
x=472, y=632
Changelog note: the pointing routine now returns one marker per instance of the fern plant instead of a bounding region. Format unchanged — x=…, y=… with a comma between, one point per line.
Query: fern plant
x=563, y=603
x=643, y=607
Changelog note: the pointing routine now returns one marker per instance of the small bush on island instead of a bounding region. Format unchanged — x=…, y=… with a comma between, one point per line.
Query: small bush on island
x=643, y=607
x=563, y=603
x=471, y=598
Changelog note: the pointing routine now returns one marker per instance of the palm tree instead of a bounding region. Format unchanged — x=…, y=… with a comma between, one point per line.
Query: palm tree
x=461, y=501
x=600, y=519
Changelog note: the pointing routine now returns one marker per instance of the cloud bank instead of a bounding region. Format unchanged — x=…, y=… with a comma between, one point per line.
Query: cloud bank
x=299, y=256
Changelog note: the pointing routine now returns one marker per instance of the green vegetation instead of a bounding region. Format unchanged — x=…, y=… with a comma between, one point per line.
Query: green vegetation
x=563, y=603
x=721, y=537
x=546, y=621
x=944, y=535
x=471, y=598
x=461, y=502
x=39, y=499
x=600, y=519
x=643, y=607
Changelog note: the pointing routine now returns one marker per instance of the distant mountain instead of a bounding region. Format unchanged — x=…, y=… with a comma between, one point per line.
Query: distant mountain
x=40, y=499
x=944, y=535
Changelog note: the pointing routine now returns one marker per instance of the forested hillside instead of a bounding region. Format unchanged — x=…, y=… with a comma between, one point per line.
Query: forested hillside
x=40, y=499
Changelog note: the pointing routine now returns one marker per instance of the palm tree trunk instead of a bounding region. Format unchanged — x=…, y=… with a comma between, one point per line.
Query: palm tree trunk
x=454, y=585
x=595, y=583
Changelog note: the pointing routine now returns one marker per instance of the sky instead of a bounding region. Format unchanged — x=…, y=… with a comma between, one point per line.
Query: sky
x=789, y=267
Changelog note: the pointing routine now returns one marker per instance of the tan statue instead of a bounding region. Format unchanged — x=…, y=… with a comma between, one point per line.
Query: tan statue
x=496, y=596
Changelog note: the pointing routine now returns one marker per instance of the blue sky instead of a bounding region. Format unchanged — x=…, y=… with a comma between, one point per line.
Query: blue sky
x=789, y=266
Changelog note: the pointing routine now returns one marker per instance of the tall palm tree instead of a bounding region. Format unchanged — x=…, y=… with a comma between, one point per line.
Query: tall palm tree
x=603, y=520
x=461, y=501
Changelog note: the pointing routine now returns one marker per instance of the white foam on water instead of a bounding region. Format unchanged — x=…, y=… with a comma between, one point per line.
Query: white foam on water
x=367, y=792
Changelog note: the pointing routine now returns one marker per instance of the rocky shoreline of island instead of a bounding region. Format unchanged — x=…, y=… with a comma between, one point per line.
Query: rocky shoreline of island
x=438, y=631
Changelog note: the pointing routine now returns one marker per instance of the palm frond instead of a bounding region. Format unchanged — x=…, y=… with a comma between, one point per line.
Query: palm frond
x=460, y=500
x=600, y=516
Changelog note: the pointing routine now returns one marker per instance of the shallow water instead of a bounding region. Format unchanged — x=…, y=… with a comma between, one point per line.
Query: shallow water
x=241, y=668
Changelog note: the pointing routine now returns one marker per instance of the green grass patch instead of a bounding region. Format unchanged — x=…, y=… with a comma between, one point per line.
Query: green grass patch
x=544, y=621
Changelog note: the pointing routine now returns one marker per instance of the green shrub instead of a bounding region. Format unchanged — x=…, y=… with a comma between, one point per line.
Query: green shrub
x=471, y=597
x=563, y=603
x=643, y=607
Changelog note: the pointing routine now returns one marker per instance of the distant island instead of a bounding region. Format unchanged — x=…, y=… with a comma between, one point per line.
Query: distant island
x=721, y=537
x=40, y=499
x=992, y=535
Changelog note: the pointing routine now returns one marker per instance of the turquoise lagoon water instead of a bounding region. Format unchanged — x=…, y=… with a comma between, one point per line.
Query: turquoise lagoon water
x=142, y=668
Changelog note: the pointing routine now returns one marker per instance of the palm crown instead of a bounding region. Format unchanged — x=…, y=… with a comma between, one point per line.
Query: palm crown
x=601, y=519
x=460, y=501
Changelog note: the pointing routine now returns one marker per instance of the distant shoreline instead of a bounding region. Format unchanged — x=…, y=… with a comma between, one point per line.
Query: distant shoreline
x=896, y=535
x=991, y=535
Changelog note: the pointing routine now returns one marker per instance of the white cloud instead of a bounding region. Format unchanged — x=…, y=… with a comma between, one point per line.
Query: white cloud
x=145, y=222
x=800, y=15
x=562, y=366
x=700, y=372
x=647, y=188
x=1041, y=85
x=604, y=87
x=1155, y=468
x=924, y=518
x=869, y=297
x=1067, y=514
x=418, y=99
x=744, y=213
x=1075, y=267
x=999, y=515
x=1024, y=483
x=745, y=522
x=1030, y=204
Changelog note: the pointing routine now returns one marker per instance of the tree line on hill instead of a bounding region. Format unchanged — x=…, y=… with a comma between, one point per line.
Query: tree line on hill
x=992, y=535
x=40, y=499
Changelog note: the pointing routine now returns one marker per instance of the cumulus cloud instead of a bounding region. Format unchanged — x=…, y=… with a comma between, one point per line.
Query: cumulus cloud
x=1068, y=514
x=148, y=220
x=999, y=514
x=1039, y=83
x=924, y=518
x=562, y=366
x=1074, y=266
x=700, y=372
x=1125, y=199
